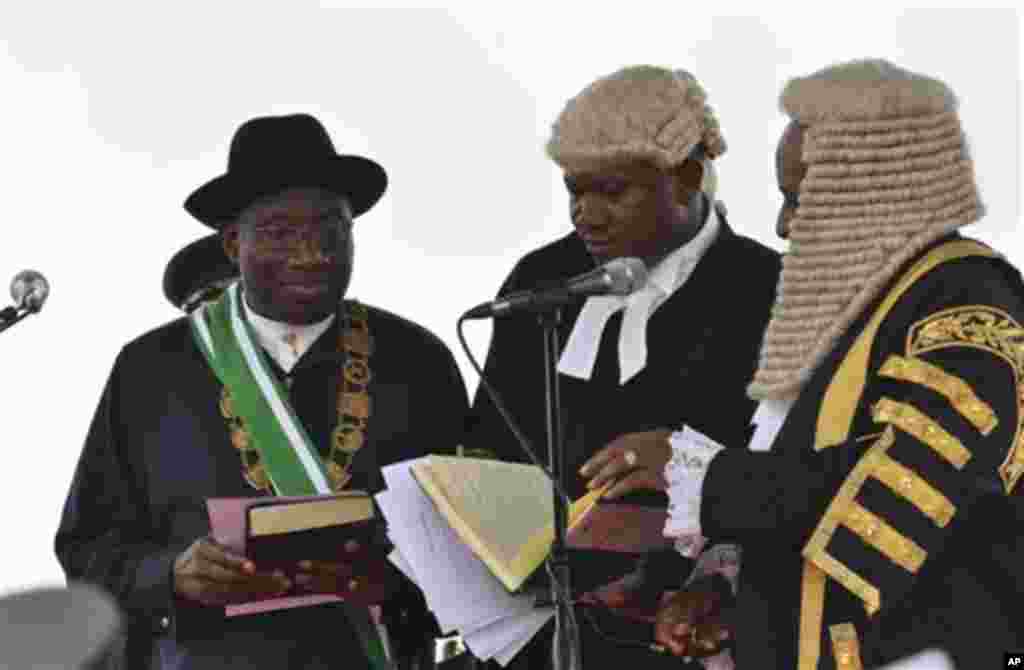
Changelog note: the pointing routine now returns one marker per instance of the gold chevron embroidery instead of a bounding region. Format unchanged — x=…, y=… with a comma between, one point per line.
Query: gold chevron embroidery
x=989, y=329
x=851, y=581
x=812, y=611
x=843, y=394
x=909, y=485
x=898, y=548
x=845, y=646
x=911, y=421
x=1013, y=467
x=958, y=392
x=816, y=552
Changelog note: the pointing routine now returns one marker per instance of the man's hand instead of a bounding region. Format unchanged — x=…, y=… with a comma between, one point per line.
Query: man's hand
x=208, y=573
x=690, y=623
x=367, y=581
x=636, y=460
x=630, y=595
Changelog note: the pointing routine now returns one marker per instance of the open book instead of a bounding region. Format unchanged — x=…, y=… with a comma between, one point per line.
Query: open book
x=470, y=532
x=504, y=512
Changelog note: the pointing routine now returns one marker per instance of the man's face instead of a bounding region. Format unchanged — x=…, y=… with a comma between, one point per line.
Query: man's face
x=632, y=210
x=294, y=251
x=790, y=170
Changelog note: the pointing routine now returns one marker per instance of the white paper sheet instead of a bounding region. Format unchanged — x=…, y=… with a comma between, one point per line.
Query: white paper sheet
x=461, y=591
x=504, y=639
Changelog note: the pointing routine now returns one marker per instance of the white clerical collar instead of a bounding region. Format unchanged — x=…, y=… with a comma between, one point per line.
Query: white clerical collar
x=285, y=342
x=664, y=279
x=768, y=419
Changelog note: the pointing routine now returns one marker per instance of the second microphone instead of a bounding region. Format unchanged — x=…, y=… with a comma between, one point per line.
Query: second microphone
x=620, y=276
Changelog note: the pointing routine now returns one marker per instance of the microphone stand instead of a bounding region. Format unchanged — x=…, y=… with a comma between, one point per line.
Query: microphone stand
x=566, y=644
x=9, y=316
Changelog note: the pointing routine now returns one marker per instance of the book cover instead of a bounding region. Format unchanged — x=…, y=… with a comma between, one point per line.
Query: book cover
x=278, y=532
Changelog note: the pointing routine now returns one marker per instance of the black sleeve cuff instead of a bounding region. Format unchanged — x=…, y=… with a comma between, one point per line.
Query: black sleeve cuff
x=769, y=496
x=160, y=611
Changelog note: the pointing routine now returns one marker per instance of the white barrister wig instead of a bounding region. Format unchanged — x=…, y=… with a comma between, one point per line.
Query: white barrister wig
x=641, y=113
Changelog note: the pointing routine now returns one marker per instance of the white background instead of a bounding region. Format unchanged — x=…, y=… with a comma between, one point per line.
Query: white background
x=110, y=115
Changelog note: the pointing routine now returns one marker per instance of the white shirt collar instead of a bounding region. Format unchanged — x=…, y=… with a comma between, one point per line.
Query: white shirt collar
x=664, y=279
x=274, y=335
x=768, y=420
x=671, y=272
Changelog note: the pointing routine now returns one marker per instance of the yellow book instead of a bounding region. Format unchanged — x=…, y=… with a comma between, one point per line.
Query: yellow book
x=502, y=511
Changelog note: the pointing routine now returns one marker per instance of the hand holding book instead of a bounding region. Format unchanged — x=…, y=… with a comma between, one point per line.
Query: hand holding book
x=210, y=574
x=697, y=621
x=319, y=548
x=364, y=577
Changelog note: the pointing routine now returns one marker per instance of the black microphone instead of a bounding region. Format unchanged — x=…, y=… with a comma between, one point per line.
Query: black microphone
x=620, y=276
x=29, y=290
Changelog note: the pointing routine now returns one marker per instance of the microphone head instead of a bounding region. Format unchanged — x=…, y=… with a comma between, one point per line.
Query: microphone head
x=29, y=290
x=625, y=275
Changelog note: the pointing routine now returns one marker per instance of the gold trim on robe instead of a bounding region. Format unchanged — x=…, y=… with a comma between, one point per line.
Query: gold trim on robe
x=845, y=646
x=907, y=484
x=958, y=392
x=912, y=421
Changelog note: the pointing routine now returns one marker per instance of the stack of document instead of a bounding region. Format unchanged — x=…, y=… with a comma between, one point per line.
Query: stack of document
x=461, y=591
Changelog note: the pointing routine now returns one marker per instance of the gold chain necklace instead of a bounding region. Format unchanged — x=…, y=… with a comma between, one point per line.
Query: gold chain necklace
x=354, y=408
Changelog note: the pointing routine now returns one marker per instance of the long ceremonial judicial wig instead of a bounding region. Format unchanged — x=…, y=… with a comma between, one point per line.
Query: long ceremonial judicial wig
x=888, y=173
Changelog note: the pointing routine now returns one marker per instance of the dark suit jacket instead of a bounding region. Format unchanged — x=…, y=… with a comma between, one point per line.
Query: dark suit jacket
x=703, y=344
x=158, y=447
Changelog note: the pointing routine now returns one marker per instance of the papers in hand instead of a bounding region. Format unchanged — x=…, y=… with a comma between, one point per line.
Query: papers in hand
x=460, y=589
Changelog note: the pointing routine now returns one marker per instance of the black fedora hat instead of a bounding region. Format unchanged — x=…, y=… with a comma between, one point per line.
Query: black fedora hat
x=271, y=153
x=198, y=266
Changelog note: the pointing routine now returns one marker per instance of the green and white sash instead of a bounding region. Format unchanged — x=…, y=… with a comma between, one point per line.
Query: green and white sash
x=291, y=459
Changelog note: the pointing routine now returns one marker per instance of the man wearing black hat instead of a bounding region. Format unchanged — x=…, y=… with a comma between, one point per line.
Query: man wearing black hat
x=198, y=272
x=279, y=387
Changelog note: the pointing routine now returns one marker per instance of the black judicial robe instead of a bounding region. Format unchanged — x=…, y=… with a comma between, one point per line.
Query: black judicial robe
x=892, y=513
x=158, y=447
x=702, y=349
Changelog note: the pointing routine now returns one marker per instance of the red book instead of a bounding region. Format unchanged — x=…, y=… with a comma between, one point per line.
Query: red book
x=278, y=532
x=620, y=527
